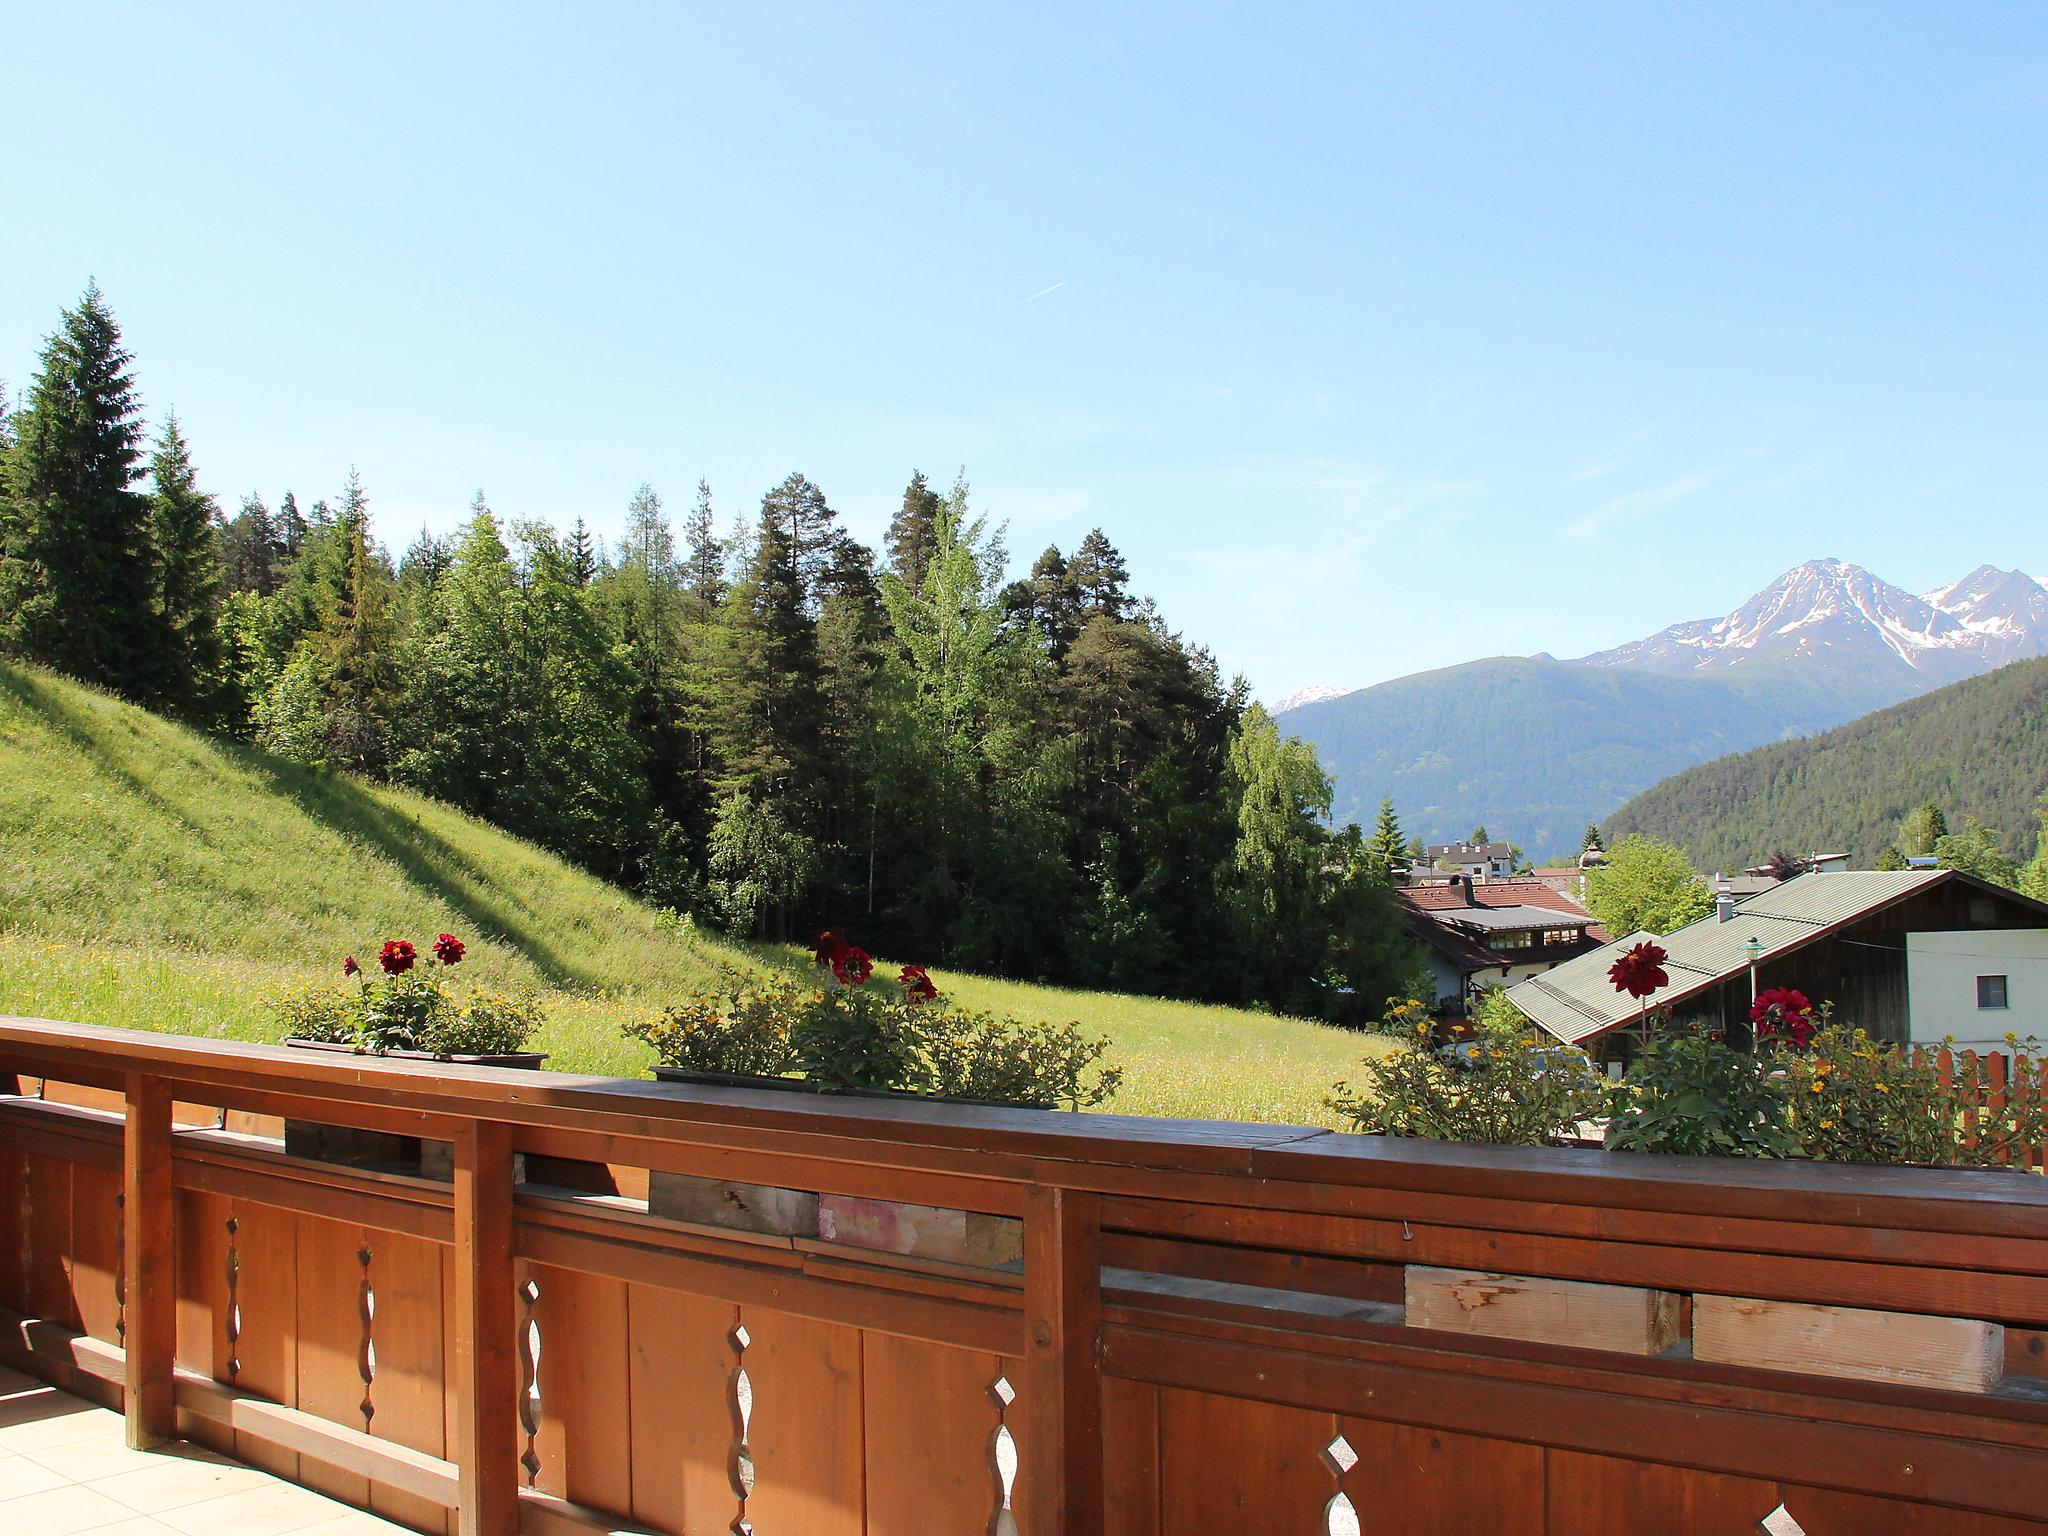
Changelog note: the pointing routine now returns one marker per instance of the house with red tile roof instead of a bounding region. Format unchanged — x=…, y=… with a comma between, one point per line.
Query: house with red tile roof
x=1477, y=934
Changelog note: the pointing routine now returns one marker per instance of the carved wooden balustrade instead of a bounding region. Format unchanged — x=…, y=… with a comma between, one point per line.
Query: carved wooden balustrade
x=1213, y=1328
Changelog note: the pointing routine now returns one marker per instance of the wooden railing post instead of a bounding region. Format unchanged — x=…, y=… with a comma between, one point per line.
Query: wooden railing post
x=486, y=1365
x=1060, y=1446
x=149, y=1233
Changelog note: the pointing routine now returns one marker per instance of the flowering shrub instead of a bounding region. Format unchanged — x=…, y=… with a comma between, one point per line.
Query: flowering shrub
x=1783, y=1013
x=408, y=1007
x=1688, y=1091
x=844, y=1034
x=1522, y=1089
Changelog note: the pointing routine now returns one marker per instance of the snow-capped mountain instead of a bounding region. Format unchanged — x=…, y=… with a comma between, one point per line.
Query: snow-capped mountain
x=1314, y=694
x=1828, y=617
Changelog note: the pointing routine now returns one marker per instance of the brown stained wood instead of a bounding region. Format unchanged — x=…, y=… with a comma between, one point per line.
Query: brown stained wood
x=46, y=1241
x=1426, y=1482
x=266, y=1304
x=1625, y=1319
x=202, y=1302
x=1060, y=1398
x=805, y=1429
x=486, y=1372
x=13, y=1271
x=261, y=1175
x=150, y=1241
x=585, y=1436
x=681, y=1420
x=1130, y=1459
x=410, y=1385
x=938, y=1477
x=330, y=1340
x=1270, y=1478
x=1598, y=1494
x=1823, y=1512
x=1953, y=1353
x=94, y=1262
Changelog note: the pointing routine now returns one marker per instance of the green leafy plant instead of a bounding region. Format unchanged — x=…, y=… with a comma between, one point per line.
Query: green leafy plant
x=1509, y=1086
x=973, y=1055
x=1688, y=1091
x=407, y=1007
x=741, y=1029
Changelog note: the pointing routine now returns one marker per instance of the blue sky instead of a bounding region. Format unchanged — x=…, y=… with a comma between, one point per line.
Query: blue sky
x=1378, y=338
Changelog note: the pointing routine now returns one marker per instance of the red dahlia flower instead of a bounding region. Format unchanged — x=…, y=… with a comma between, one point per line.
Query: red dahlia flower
x=828, y=947
x=349, y=966
x=1640, y=971
x=852, y=966
x=448, y=949
x=1783, y=1013
x=917, y=986
x=396, y=956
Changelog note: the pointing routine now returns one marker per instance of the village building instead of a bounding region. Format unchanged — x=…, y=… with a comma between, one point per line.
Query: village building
x=1477, y=934
x=1480, y=861
x=1912, y=956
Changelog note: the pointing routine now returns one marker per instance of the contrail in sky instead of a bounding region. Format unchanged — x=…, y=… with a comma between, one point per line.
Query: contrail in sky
x=1040, y=294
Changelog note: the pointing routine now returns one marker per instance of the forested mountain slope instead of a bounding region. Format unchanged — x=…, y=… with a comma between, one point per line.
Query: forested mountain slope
x=155, y=877
x=1978, y=747
x=1536, y=748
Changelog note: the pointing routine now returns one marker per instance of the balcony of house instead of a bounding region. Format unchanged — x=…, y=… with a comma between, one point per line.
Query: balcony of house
x=476, y=1300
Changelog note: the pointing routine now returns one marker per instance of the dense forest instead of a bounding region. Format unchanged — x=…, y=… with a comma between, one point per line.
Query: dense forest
x=771, y=728
x=1975, y=749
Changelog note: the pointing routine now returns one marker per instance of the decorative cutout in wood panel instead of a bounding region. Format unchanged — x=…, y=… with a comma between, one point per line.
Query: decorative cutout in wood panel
x=740, y=1468
x=1779, y=1522
x=1002, y=1459
x=1340, y=1516
x=121, y=1267
x=529, y=1398
x=231, y=1314
x=366, y=1351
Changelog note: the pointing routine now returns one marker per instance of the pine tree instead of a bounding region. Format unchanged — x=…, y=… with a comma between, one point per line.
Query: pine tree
x=797, y=514
x=647, y=541
x=78, y=578
x=580, y=550
x=704, y=558
x=250, y=549
x=188, y=577
x=1099, y=575
x=909, y=540
x=1386, y=843
x=291, y=527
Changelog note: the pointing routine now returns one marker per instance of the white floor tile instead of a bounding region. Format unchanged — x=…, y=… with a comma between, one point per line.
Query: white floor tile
x=62, y=1512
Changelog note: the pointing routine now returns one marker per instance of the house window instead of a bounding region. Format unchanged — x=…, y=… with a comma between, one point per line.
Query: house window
x=1991, y=992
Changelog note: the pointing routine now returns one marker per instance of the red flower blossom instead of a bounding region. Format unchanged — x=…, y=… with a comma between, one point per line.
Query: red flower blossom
x=349, y=967
x=828, y=947
x=852, y=966
x=917, y=986
x=396, y=956
x=448, y=949
x=1783, y=1013
x=1640, y=971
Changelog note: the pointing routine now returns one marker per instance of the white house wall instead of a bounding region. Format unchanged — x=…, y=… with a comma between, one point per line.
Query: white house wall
x=1941, y=985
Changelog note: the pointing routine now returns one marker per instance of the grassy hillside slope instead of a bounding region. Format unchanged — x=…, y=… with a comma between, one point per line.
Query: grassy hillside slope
x=1535, y=748
x=157, y=878
x=1978, y=746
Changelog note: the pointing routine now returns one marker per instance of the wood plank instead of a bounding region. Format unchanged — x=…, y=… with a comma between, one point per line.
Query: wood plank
x=1130, y=1459
x=46, y=1241
x=405, y=1274
x=682, y=1428
x=1229, y=1464
x=486, y=1363
x=1410, y=1481
x=265, y=1309
x=94, y=1261
x=1828, y=1512
x=1593, y=1494
x=929, y=1463
x=585, y=1438
x=202, y=1303
x=805, y=1429
x=1627, y=1319
x=1954, y=1353
x=150, y=1242
x=331, y=1340
x=1060, y=1443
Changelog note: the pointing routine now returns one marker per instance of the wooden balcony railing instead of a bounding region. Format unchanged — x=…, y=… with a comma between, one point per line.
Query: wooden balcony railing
x=1213, y=1328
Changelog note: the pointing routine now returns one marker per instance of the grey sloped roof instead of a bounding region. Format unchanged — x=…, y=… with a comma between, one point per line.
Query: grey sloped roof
x=1510, y=919
x=1576, y=1001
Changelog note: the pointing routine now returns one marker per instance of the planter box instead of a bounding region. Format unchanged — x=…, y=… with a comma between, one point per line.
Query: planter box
x=737, y=1207
x=1624, y=1318
x=383, y=1152
x=1908, y=1348
x=731, y=1079
x=921, y=1231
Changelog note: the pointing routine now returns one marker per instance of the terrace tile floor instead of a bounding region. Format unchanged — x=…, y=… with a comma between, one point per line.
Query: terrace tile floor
x=64, y=1469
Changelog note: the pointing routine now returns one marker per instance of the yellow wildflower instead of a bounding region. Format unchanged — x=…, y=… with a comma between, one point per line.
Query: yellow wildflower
x=1884, y=1087
x=1818, y=1085
x=1827, y=1125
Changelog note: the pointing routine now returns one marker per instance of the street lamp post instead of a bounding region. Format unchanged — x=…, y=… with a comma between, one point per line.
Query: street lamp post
x=1754, y=948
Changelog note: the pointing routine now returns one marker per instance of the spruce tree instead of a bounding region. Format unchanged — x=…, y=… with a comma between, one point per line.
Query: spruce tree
x=78, y=578
x=188, y=577
x=250, y=549
x=1479, y=839
x=704, y=551
x=1592, y=841
x=1386, y=843
x=580, y=550
x=291, y=527
x=909, y=539
x=647, y=542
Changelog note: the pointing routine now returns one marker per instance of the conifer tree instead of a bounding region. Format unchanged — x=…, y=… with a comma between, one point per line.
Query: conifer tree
x=250, y=549
x=1386, y=843
x=647, y=542
x=291, y=527
x=188, y=577
x=796, y=514
x=909, y=540
x=1479, y=839
x=78, y=579
x=1592, y=841
x=1100, y=576
x=580, y=550
x=704, y=557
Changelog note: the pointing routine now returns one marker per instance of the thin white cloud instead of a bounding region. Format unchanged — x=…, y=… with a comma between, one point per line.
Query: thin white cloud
x=1623, y=508
x=1055, y=288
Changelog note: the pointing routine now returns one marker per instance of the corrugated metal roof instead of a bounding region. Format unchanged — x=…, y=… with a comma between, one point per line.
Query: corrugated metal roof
x=1576, y=1000
x=1509, y=919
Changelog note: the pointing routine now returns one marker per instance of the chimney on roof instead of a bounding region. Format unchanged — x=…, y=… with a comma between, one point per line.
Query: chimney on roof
x=1464, y=883
x=1724, y=898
